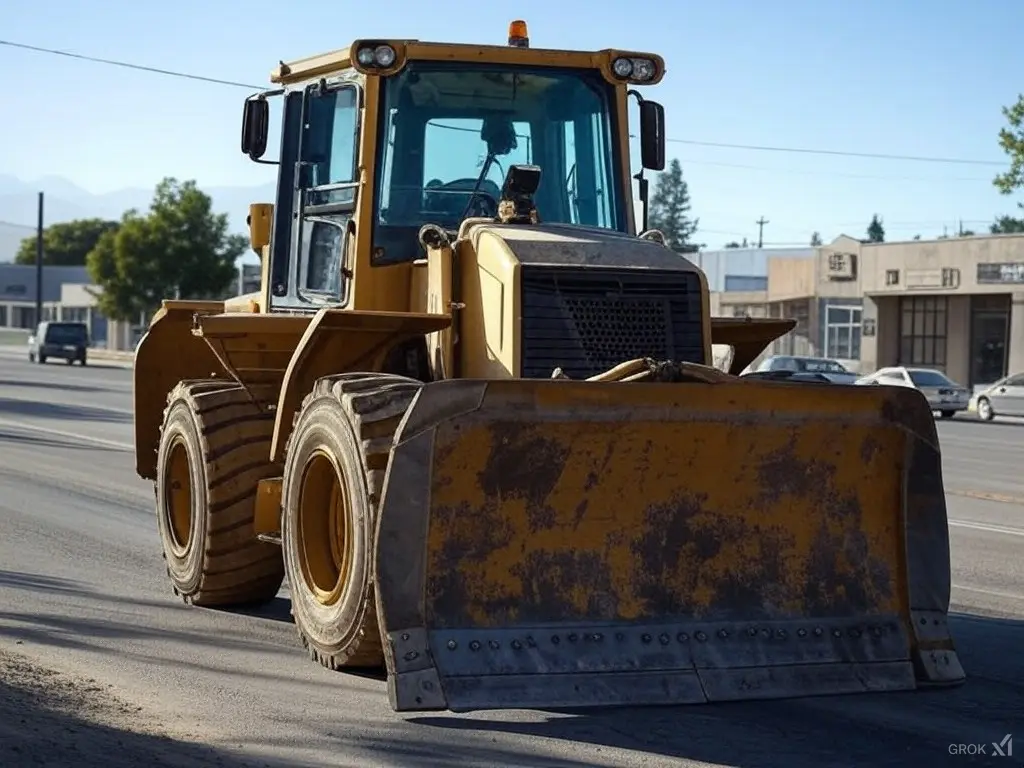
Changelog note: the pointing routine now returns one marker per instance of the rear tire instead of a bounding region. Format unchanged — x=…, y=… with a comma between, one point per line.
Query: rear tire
x=948, y=414
x=333, y=478
x=214, y=449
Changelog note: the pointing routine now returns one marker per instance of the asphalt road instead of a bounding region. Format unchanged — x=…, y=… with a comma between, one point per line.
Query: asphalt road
x=83, y=592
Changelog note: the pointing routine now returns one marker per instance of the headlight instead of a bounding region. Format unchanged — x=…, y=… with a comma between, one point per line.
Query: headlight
x=643, y=69
x=634, y=68
x=376, y=56
x=384, y=56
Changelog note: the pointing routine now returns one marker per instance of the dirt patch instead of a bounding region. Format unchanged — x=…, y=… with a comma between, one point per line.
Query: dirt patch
x=48, y=718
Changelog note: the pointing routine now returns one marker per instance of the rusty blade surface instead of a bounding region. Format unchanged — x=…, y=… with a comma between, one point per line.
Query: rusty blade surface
x=554, y=543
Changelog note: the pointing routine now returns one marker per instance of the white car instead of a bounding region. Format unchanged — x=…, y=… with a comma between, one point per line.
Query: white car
x=944, y=395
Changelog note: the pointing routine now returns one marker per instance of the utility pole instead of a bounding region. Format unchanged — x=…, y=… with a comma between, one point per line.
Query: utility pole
x=39, y=262
x=760, y=231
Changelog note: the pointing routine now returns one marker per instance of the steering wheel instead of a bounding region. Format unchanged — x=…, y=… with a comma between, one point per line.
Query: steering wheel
x=488, y=193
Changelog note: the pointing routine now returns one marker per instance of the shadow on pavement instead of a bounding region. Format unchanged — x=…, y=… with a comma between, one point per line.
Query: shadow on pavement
x=40, y=440
x=912, y=728
x=61, y=412
x=119, y=618
x=66, y=386
x=278, y=609
x=51, y=719
x=869, y=729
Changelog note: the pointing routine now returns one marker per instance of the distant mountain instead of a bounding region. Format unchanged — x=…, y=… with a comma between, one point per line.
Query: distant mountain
x=64, y=201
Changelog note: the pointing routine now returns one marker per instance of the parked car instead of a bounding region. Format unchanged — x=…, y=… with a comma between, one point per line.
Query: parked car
x=67, y=341
x=830, y=369
x=802, y=376
x=944, y=395
x=1004, y=398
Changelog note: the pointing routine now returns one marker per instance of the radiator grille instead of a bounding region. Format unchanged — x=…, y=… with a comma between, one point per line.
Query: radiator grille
x=588, y=322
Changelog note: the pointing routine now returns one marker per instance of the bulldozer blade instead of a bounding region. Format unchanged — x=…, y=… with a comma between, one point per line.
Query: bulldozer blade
x=565, y=544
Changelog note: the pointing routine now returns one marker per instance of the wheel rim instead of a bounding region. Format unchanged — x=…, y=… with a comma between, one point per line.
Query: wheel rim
x=984, y=409
x=323, y=530
x=178, y=497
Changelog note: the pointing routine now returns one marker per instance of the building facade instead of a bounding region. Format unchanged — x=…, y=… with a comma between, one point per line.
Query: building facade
x=954, y=304
x=732, y=270
x=66, y=295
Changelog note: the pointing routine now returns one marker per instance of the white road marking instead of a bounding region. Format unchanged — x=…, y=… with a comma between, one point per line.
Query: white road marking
x=991, y=592
x=988, y=527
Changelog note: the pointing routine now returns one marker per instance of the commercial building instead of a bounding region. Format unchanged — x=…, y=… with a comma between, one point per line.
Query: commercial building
x=740, y=270
x=69, y=295
x=66, y=296
x=955, y=304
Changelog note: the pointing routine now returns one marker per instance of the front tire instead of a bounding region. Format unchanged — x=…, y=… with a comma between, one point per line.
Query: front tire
x=214, y=449
x=333, y=478
x=985, y=412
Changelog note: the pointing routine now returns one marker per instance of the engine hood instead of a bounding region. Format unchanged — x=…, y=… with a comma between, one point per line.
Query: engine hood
x=574, y=246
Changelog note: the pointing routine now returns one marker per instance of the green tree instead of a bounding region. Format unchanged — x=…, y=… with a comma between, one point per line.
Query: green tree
x=876, y=232
x=815, y=239
x=1011, y=139
x=65, y=244
x=670, y=210
x=1004, y=225
x=179, y=248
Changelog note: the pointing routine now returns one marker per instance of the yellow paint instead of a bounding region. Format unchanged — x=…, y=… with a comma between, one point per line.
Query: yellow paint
x=614, y=501
x=267, y=516
x=333, y=62
x=260, y=217
x=325, y=552
x=168, y=353
x=439, y=302
x=338, y=341
x=489, y=339
x=179, y=497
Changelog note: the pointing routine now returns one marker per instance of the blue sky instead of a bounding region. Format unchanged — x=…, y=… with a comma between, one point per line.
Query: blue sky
x=905, y=77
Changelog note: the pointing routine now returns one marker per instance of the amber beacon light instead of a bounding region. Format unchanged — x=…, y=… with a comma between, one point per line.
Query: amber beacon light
x=518, y=37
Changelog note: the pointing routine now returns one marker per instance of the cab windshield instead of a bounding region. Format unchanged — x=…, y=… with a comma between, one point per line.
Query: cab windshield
x=449, y=133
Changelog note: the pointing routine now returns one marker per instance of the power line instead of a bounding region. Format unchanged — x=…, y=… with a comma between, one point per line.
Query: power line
x=128, y=65
x=839, y=153
x=15, y=225
x=839, y=174
x=692, y=142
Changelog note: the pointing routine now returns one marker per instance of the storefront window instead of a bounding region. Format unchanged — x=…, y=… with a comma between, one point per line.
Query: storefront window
x=923, y=326
x=842, y=332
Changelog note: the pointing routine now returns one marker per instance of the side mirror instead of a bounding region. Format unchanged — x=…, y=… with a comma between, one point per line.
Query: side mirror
x=255, y=127
x=652, y=135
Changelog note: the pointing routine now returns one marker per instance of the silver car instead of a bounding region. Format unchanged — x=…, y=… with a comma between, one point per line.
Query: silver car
x=1004, y=398
x=944, y=395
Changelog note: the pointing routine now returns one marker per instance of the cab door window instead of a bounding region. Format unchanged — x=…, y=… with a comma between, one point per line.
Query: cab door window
x=329, y=148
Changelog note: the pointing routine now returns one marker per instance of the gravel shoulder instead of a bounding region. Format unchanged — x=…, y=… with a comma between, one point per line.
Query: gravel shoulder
x=51, y=718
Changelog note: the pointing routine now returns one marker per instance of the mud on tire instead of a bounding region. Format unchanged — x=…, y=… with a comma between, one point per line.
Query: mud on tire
x=339, y=450
x=214, y=449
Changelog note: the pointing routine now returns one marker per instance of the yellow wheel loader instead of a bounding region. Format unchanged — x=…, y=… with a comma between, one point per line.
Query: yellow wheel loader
x=472, y=417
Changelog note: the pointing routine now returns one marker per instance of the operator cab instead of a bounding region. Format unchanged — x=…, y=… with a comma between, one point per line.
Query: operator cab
x=391, y=136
